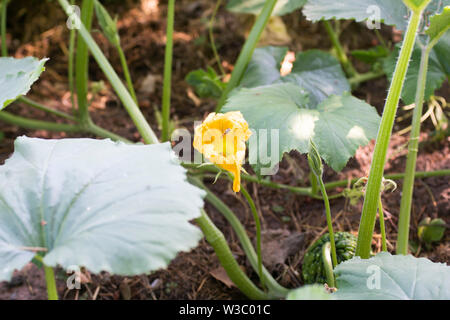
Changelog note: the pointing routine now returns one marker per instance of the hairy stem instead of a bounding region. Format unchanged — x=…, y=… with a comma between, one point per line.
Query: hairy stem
x=408, y=183
x=368, y=215
x=247, y=51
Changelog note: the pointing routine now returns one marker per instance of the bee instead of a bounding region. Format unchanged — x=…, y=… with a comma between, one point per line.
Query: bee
x=226, y=131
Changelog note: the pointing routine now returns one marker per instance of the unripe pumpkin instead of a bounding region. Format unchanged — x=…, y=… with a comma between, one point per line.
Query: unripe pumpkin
x=313, y=270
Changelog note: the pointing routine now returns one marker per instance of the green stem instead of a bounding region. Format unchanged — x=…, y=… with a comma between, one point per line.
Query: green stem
x=133, y=110
x=329, y=220
x=368, y=216
x=62, y=127
x=217, y=240
x=393, y=176
x=305, y=191
x=100, y=132
x=328, y=265
x=258, y=231
x=211, y=37
x=70, y=68
x=126, y=73
x=51, y=283
x=382, y=227
x=4, y=9
x=39, y=106
x=356, y=80
x=408, y=183
x=37, y=124
x=49, y=278
x=247, y=51
x=82, y=64
x=343, y=59
x=168, y=71
x=273, y=286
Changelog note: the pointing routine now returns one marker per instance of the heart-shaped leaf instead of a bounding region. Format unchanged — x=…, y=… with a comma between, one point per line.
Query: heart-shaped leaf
x=254, y=6
x=319, y=73
x=392, y=277
x=264, y=67
x=95, y=203
x=17, y=76
x=338, y=125
x=316, y=71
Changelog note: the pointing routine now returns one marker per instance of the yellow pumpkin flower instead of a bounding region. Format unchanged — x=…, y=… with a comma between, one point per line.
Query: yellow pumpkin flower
x=221, y=138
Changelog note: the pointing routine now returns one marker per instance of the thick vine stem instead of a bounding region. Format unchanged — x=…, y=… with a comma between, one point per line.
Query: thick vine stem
x=247, y=51
x=217, y=240
x=369, y=211
x=274, y=287
x=413, y=146
x=328, y=265
x=82, y=64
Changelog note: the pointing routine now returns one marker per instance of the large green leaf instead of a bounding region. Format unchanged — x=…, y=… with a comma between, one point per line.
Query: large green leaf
x=314, y=70
x=338, y=125
x=319, y=73
x=390, y=12
x=435, y=76
x=17, y=76
x=309, y=292
x=392, y=277
x=254, y=6
x=264, y=67
x=95, y=203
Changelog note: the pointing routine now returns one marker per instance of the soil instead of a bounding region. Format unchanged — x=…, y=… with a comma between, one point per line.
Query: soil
x=290, y=222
